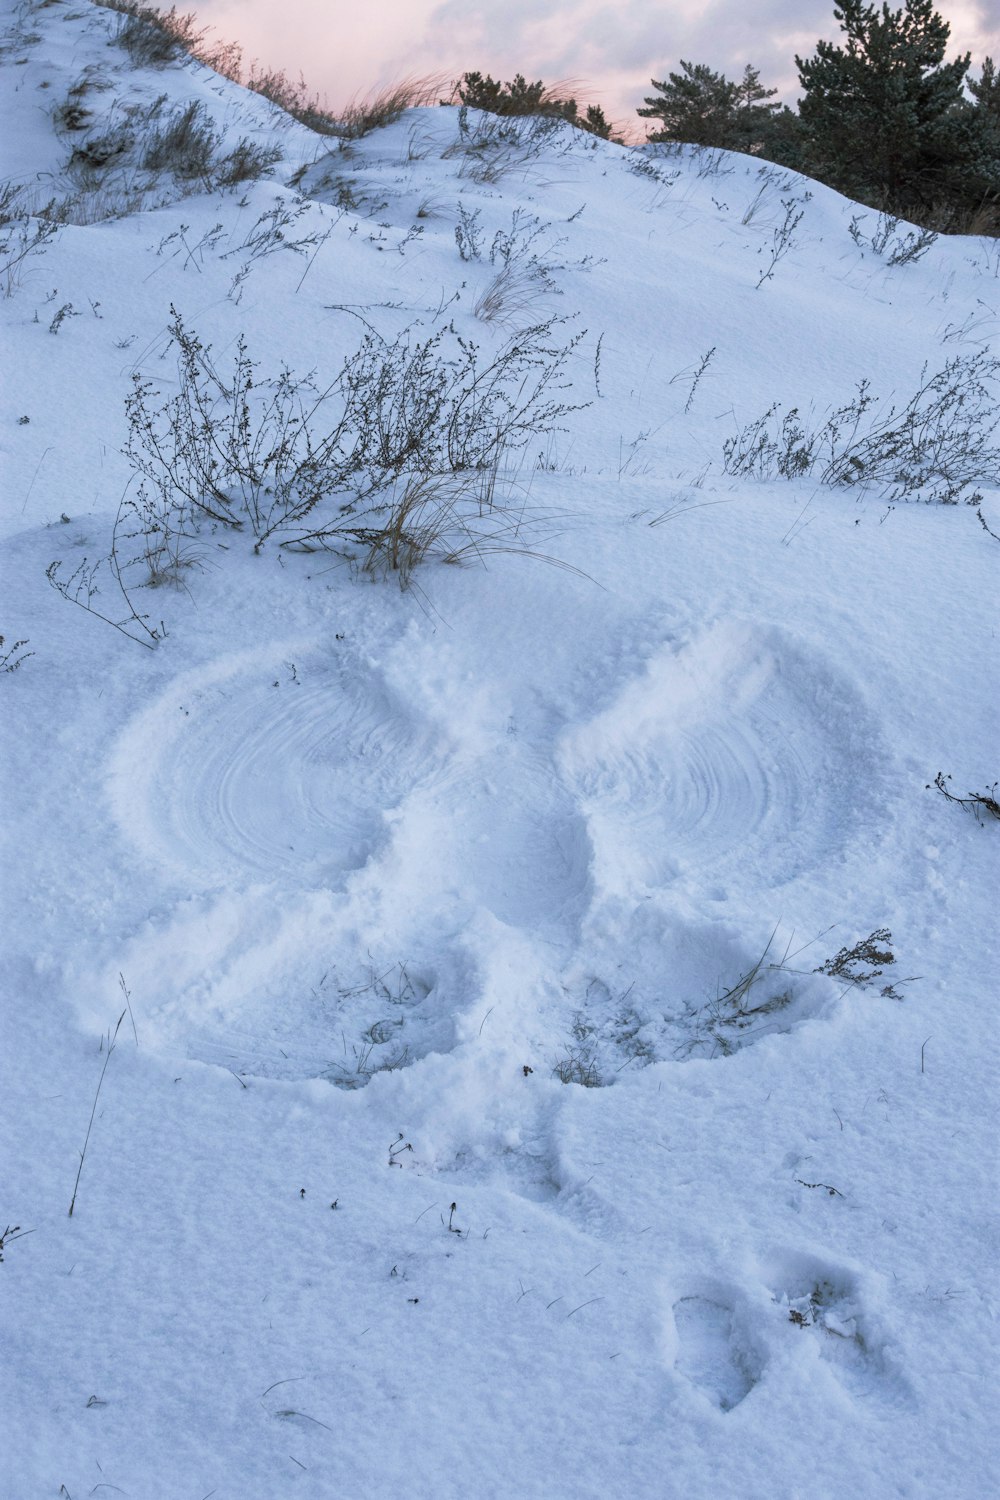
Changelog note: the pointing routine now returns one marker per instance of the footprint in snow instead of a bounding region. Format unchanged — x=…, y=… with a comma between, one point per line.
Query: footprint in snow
x=826, y=1305
x=714, y=1352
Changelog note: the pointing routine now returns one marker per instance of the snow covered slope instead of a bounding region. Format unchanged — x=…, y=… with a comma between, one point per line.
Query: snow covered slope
x=555, y=1054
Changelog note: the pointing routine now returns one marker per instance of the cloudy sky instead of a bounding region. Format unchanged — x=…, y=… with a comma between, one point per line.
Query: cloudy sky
x=613, y=47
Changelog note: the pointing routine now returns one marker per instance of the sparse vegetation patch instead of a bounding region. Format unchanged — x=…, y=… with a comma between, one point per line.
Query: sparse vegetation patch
x=936, y=447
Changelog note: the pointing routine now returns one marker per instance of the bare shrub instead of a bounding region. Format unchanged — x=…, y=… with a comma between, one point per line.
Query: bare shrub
x=398, y=455
x=782, y=238
x=23, y=234
x=492, y=145
x=278, y=228
x=982, y=805
x=522, y=273
x=273, y=454
x=469, y=233
x=895, y=246
x=864, y=961
x=156, y=542
x=13, y=656
x=936, y=447
x=84, y=585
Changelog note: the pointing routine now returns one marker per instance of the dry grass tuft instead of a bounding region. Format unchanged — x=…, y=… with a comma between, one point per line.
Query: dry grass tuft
x=155, y=38
x=512, y=297
x=384, y=106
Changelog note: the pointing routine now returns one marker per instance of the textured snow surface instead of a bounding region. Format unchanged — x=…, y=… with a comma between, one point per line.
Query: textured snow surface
x=481, y=1123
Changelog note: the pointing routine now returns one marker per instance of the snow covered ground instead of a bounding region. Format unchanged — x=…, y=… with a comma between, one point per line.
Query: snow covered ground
x=484, y=1118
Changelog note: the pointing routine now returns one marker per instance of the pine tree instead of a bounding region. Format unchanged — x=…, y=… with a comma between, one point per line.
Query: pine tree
x=986, y=91
x=749, y=94
x=983, y=208
x=522, y=98
x=782, y=140
x=702, y=108
x=884, y=118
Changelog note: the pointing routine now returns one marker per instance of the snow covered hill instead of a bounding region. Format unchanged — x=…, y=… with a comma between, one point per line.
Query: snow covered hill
x=528, y=1030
